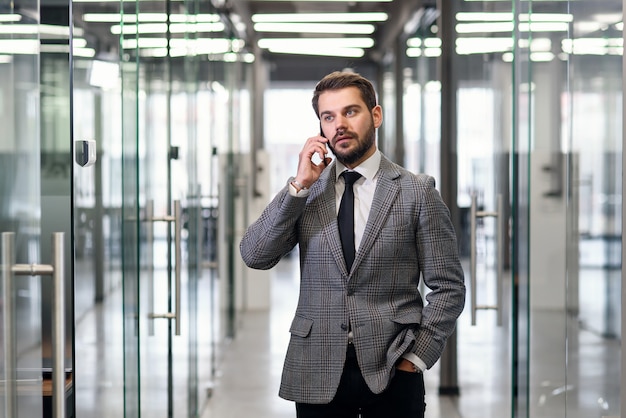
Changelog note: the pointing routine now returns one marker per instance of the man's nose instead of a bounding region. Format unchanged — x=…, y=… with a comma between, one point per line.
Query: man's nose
x=340, y=123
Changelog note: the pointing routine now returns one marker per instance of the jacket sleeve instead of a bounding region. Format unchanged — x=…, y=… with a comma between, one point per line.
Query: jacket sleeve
x=442, y=273
x=274, y=234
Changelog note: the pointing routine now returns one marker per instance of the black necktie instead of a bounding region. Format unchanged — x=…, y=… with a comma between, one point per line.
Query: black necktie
x=345, y=218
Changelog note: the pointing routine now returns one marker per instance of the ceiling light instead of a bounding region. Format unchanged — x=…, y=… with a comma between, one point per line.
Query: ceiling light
x=19, y=46
x=357, y=28
x=427, y=52
x=483, y=17
x=334, y=1
x=148, y=17
x=329, y=52
x=320, y=17
x=491, y=27
x=593, y=46
x=315, y=43
x=466, y=46
x=541, y=56
x=544, y=27
x=45, y=31
x=481, y=27
x=10, y=18
x=145, y=28
x=427, y=42
x=508, y=17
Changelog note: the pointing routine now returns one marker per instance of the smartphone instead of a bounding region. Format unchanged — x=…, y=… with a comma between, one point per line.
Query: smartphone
x=322, y=134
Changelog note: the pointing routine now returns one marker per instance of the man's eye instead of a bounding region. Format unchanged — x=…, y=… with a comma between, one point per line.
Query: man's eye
x=328, y=118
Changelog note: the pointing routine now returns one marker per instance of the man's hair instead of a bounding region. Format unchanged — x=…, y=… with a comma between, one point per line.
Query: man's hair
x=340, y=80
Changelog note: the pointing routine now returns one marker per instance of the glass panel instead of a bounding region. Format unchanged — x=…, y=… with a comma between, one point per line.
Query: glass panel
x=594, y=190
x=130, y=222
x=20, y=209
x=476, y=89
x=96, y=104
x=422, y=98
x=34, y=196
x=568, y=231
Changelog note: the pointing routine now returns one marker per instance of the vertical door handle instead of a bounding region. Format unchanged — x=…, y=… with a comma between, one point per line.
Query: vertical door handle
x=177, y=220
x=474, y=215
x=57, y=271
x=150, y=260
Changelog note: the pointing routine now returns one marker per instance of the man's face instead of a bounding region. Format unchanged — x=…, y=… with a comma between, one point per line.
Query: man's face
x=349, y=125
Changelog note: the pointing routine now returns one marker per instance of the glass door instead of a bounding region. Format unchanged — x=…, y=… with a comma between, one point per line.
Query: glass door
x=35, y=223
x=164, y=75
x=533, y=102
x=20, y=214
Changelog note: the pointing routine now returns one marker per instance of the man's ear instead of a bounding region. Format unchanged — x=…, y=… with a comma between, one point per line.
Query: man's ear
x=377, y=116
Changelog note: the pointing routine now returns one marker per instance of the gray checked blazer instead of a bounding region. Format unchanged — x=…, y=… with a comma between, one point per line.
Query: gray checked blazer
x=408, y=234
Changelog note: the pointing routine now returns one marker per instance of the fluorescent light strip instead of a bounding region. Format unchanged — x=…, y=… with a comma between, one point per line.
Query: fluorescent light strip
x=541, y=56
x=144, y=28
x=197, y=46
x=46, y=31
x=428, y=52
x=334, y=1
x=484, y=27
x=353, y=28
x=10, y=18
x=116, y=1
x=329, y=52
x=148, y=17
x=484, y=17
x=19, y=46
x=508, y=27
x=317, y=43
x=320, y=17
x=428, y=42
x=466, y=46
x=508, y=17
x=544, y=27
x=65, y=49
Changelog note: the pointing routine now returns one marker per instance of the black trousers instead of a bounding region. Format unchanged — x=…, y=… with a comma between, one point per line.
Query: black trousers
x=404, y=398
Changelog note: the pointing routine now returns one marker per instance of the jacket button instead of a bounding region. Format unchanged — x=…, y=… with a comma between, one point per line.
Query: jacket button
x=344, y=327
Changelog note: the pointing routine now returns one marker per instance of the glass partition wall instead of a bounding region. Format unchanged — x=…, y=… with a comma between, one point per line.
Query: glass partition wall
x=152, y=88
x=20, y=213
x=531, y=95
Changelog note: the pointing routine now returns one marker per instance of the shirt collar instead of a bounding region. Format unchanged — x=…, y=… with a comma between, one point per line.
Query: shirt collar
x=367, y=168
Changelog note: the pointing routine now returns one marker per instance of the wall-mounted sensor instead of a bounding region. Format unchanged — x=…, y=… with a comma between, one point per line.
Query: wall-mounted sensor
x=85, y=150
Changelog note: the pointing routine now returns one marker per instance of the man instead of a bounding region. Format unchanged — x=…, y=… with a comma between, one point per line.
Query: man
x=361, y=336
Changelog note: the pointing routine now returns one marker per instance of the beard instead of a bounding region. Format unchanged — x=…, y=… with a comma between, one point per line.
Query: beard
x=363, y=146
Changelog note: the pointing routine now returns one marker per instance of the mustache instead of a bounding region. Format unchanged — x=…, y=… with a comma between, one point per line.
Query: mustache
x=341, y=132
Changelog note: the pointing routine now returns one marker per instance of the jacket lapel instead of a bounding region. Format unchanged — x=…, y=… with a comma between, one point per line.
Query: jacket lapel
x=327, y=213
x=387, y=188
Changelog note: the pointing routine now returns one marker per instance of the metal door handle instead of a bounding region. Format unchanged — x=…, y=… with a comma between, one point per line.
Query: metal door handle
x=57, y=271
x=474, y=215
x=177, y=219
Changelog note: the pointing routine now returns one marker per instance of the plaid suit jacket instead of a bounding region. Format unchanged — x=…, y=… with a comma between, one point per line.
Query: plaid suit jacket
x=408, y=235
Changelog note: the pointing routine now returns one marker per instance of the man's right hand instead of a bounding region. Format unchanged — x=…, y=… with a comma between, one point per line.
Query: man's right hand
x=308, y=171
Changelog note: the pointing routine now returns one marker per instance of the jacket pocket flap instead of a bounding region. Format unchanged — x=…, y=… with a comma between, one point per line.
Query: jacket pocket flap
x=301, y=326
x=408, y=318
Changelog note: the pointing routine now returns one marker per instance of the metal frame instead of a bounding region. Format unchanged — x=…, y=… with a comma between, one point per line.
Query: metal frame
x=57, y=271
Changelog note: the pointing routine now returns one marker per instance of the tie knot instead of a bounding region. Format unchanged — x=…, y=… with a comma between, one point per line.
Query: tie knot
x=350, y=177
